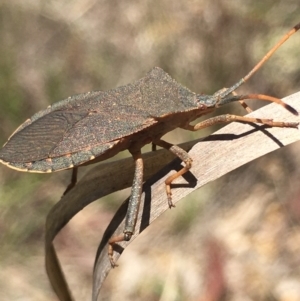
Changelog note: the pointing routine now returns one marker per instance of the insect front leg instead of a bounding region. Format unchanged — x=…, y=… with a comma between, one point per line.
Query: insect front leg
x=244, y=105
x=242, y=102
x=226, y=118
x=133, y=206
x=181, y=154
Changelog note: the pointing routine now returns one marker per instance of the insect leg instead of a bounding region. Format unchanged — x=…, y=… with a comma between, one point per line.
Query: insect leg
x=133, y=206
x=245, y=106
x=181, y=154
x=73, y=180
x=242, y=102
x=229, y=118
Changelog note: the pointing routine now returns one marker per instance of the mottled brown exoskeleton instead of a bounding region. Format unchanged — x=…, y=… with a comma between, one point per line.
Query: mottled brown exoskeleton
x=95, y=126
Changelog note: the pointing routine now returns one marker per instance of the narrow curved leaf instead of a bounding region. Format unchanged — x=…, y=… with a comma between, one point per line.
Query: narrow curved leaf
x=227, y=149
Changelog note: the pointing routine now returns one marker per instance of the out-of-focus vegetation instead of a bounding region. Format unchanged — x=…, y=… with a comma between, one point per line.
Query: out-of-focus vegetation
x=239, y=237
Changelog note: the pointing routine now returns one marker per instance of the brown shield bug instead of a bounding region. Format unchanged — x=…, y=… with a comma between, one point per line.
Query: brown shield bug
x=94, y=126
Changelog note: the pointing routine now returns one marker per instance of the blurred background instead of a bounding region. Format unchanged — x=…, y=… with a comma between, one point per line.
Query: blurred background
x=242, y=231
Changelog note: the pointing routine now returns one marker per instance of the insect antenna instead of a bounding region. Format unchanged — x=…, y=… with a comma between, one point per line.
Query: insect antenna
x=229, y=90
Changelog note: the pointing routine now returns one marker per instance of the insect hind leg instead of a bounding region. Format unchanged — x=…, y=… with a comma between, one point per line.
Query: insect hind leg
x=73, y=180
x=133, y=207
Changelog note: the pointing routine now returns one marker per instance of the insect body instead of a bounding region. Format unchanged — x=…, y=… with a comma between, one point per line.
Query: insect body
x=85, y=127
x=94, y=126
